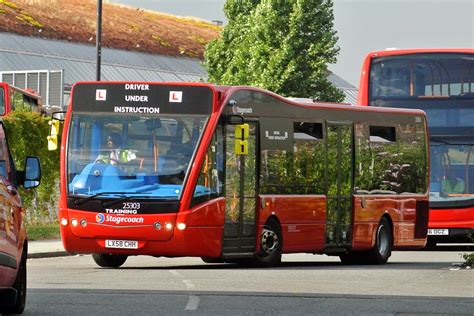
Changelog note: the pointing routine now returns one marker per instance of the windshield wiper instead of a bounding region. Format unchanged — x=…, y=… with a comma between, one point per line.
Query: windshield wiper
x=83, y=200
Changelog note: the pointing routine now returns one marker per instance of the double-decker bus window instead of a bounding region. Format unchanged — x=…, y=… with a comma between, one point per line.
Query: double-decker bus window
x=421, y=76
x=211, y=178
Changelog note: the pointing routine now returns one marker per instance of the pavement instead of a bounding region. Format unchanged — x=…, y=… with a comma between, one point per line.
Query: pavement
x=46, y=249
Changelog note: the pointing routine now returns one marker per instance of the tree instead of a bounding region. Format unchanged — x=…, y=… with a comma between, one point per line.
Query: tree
x=280, y=45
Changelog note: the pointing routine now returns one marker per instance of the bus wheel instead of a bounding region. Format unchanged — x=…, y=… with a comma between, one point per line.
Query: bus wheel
x=109, y=260
x=383, y=244
x=20, y=287
x=271, y=244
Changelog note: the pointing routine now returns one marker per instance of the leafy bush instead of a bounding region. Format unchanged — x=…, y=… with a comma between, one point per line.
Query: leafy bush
x=27, y=136
x=469, y=258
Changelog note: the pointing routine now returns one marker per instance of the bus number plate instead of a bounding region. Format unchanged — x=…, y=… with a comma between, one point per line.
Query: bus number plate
x=438, y=232
x=121, y=244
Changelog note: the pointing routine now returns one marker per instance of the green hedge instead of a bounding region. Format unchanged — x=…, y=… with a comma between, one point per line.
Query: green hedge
x=27, y=136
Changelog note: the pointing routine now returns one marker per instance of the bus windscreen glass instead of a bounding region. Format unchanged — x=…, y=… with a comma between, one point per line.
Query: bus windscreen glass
x=419, y=76
x=143, y=156
x=452, y=174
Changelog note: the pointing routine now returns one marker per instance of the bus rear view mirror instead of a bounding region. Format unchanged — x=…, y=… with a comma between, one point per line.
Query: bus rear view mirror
x=32, y=172
x=58, y=115
x=53, y=135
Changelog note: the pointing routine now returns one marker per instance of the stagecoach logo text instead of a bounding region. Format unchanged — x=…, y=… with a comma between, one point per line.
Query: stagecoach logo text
x=276, y=135
x=239, y=110
x=101, y=218
x=138, y=110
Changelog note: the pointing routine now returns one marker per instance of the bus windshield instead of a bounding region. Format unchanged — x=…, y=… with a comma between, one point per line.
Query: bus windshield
x=421, y=76
x=452, y=174
x=147, y=157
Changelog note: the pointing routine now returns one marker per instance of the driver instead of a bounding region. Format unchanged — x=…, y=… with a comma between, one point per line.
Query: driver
x=116, y=154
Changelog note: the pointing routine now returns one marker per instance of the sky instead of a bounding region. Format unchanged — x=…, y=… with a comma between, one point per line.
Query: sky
x=363, y=25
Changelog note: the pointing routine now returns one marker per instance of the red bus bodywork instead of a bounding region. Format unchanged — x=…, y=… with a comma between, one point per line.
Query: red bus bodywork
x=29, y=98
x=302, y=217
x=459, y=220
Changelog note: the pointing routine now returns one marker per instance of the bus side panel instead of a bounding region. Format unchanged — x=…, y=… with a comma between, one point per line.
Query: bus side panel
x=368, y=211
x=210, y=213
x=402, y=212
x=302, y=220
x=452, y=218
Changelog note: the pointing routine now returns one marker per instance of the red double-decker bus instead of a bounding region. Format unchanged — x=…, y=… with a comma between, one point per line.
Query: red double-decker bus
x=237, y=174
x=440, y=82
x=14, y=98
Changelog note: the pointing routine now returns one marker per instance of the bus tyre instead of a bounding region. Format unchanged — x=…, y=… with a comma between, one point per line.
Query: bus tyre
x=383, y=244
x=271, y=244
x=108, y=260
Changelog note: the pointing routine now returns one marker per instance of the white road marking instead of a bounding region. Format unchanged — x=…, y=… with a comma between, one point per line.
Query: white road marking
x=193, y=303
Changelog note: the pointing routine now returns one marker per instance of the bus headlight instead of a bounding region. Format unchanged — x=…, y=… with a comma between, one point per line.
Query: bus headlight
x=64, y=221
x=74, y=222
x=181, y=226
x=169, y=226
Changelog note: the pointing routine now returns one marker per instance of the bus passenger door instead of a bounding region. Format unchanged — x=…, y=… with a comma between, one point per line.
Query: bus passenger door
x=240, y=192
x=339, y=186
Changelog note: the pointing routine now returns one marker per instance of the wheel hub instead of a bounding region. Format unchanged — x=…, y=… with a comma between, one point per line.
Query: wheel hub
x=269, y=241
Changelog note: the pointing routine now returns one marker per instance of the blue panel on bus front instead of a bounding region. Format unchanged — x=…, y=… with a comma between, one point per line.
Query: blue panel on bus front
x=101, y=178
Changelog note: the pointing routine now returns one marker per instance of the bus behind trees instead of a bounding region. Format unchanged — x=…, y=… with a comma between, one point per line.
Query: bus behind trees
x=13, y=98
x=237, y=174
x=440, y=82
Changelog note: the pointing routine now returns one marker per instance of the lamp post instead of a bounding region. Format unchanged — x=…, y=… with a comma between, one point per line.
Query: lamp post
x=98, y=37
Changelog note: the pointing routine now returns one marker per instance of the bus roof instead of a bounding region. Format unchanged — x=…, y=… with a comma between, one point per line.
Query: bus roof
x=393, y=52
x=224, y=94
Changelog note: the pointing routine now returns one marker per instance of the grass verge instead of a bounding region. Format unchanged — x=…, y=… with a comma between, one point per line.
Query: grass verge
x=43, y=231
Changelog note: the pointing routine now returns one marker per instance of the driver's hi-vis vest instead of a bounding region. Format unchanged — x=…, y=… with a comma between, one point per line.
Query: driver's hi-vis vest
x=448, y=188
x=116, y=156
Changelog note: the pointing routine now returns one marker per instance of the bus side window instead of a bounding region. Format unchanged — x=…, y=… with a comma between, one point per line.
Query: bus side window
x=308, y=155
x=210, y=183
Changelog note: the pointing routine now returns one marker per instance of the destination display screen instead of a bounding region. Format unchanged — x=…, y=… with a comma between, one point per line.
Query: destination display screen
x=141, y=98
